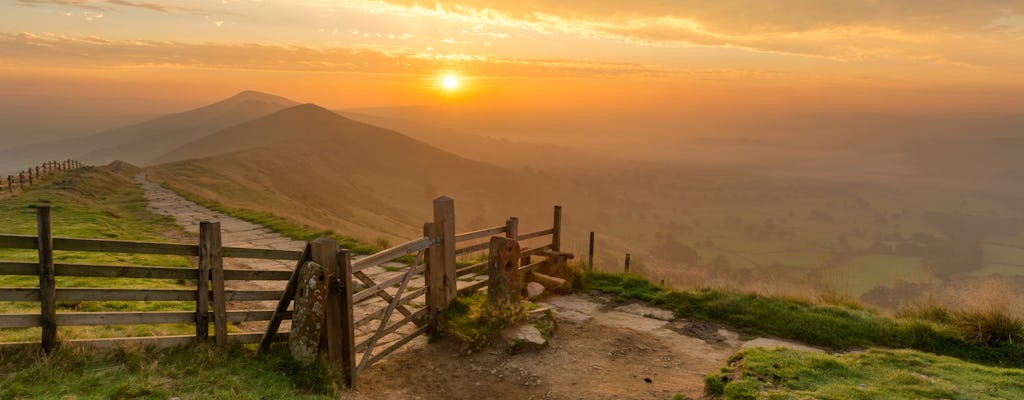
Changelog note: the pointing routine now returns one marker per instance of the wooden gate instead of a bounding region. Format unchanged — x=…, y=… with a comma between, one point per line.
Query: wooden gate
x=417, y=280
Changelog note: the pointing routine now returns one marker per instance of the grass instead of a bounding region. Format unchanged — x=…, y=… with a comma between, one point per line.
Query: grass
x=875, y=374
x=470, y=319
x=282, y=225
x=93, y=202
x=831, y=326
x=201, y=372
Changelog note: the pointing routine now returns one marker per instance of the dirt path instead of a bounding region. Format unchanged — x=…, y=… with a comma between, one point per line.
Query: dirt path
x=602, y=350
x=239, y=233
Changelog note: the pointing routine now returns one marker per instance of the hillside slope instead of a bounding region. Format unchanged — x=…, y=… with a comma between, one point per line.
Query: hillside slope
x=326, y=171
x=143, y=142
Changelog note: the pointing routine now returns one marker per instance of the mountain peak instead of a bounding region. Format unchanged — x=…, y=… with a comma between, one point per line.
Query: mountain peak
x=252, y=95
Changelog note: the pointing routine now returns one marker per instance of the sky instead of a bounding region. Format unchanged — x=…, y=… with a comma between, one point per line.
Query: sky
x=638, y=57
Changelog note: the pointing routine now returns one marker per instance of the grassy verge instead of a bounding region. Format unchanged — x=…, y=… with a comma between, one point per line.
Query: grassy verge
x=875, y=374
x=92, y=202
x=202, y=372
x=835, y=327
x=470, y=319
x=280, y=225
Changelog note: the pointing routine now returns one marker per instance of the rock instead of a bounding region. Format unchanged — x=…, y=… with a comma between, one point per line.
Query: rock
x=310, y=311
x=548, y=281
x=534, y=290
x=523, y=337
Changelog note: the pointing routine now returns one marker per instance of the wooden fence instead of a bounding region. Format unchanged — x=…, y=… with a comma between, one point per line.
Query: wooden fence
x=209, y=280
x=360, y=305
x=34, y=174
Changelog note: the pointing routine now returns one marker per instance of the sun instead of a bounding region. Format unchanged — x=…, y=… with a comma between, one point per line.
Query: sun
x=450, y=82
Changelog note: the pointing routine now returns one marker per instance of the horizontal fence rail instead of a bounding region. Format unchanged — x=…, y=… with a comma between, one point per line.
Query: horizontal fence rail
x=374, y=305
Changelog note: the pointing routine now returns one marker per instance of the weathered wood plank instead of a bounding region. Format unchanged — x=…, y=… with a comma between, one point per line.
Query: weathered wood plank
x=530, y=267
x=203, y=282
x=444, y=220
x=390, y=254
x=405, y=300
x=531, y=235
x=256, y=275
x=462, y=237
x=361, y=347
x=20, y=320
x=101, y=271
x=122, y=246
x=370, y=291
x=472, y=288
x=265, y=254
x=47, y=283
x=384, y=321
x=503, y=277
x=18, y=242
x=434, y=277
x=150, y=341
x=397, y=345
x=365, y=279
x=472, y=249
x=19, y=294
x=556, y=230
x=282, y=303
x=130, y=318
x=348, y=330
x=536, y=250
x=471, y=269
x=220, y=323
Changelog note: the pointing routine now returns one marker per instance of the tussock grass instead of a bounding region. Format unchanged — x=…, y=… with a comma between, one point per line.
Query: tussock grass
x=201, y=372
x=470, y=319
x=831, y=326
x=875, y=374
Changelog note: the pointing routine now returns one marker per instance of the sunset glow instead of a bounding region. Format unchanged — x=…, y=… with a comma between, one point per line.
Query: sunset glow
x=794, y=54
x=450, y=82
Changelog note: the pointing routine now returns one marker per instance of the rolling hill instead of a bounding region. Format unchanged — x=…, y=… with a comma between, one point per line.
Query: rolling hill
x=143, y=142
x=323, y=170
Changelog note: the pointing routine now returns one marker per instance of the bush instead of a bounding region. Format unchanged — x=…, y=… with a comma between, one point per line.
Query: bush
x=991, y=327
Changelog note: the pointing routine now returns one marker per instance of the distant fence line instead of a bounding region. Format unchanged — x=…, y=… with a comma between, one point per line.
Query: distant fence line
x=32, y=175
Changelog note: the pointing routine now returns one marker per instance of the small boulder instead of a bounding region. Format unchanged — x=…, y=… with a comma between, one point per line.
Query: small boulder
x=534, y=290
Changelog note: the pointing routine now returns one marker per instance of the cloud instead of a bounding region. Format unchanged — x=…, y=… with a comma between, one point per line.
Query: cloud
x=86, y=4
x=148, y=6
x=106, y=5
x=93, y=52
x=843, y=30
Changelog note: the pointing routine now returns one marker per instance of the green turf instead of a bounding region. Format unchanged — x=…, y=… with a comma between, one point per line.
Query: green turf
x=875, y=374
x=93, y=202
x=831, y=326
x=202, y=372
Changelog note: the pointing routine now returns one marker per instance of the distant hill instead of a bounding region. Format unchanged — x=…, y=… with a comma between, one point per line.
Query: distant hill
x=483, y=148
x=323, y=170
x=143, y=142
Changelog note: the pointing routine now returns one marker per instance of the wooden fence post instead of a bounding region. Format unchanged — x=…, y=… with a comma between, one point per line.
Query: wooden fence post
x=512, y=228
x=210, y=250
x=203, y=284
x=590, y=253
x=504, y=281
x=338, y=336
x=556, y=236
x=627, y=263
x=30, y=182
x=21, y=180
x=434, y=277
x=47, y=285
x=444, y=221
